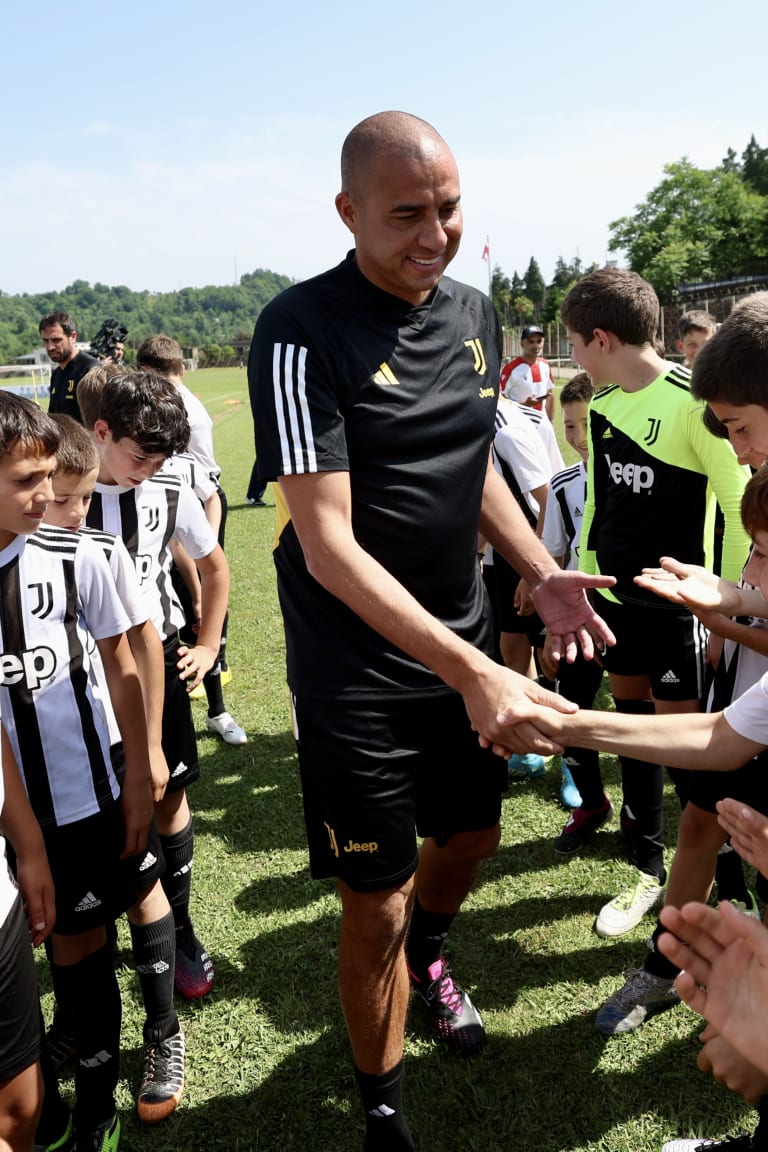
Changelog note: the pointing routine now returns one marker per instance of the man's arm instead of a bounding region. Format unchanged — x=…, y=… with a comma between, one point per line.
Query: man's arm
x=125, y=694
x=320, y=508
x=22, y=829
x=559, y=596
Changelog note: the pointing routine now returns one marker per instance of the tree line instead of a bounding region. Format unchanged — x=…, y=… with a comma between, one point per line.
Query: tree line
x=214, y=319
x=696, y=225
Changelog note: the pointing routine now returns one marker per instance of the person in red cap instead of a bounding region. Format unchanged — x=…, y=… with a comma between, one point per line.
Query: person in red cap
x=527, y=378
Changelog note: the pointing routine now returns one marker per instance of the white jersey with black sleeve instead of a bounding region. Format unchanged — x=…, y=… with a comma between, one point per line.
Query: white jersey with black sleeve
x=563, y=515
x=57, y=596
x=147, y=518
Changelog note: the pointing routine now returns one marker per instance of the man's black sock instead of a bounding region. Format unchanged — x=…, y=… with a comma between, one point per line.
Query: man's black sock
x=385, y=1126
x=426, y=936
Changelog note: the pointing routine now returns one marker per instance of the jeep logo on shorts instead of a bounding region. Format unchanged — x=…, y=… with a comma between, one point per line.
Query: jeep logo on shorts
x=32, y=667
x=371, y=846
x=638, y=477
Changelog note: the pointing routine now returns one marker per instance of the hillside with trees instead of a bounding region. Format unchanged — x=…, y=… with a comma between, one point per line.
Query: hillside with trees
x=213, y=318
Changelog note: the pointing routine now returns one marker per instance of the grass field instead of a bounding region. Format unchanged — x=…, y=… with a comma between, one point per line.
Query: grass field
x=268, y=1061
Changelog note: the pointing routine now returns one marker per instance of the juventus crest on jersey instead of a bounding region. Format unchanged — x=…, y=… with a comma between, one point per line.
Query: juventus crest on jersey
x=57, y=596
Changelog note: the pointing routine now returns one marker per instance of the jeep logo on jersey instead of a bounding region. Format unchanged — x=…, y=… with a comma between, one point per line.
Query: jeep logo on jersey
x=638, y=477
x=42, y=599
x=476, y=348
x=32, y=668
x=152, y=518
x=143, y=568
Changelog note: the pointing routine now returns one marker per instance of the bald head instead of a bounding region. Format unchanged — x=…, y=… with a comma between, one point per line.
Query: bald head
x=395, y=134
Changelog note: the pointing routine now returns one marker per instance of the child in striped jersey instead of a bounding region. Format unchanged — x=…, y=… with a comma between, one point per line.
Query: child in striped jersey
x=579, y=681
x=150, y=918
x=162, y=354
x=57, y=597
x=138, y=422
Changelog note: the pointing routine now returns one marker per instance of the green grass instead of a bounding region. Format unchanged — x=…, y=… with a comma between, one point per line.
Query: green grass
x=268, y=1061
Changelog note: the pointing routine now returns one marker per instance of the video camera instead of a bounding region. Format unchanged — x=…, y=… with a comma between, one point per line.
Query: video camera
x=107, y=338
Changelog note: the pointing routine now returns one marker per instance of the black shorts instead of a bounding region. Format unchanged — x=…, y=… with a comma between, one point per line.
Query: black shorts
x=377, y=774
x=748, y=785
x=179, y=739
x=501, y=581
x=20, y=1019
x=667, y=645
x=93, y=885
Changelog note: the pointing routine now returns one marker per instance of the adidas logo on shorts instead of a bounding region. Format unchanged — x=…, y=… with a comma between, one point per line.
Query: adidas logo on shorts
x=179, y=769
x=670, y=678
x=88, y=902
x=147, y=862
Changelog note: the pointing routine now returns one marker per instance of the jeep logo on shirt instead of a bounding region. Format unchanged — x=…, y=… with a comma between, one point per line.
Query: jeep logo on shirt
x=638, y=477
x=33, y=667
x=143, y=567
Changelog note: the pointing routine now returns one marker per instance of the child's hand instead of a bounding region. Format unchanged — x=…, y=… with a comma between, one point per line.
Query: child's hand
x=193, y=663
x=37, y=890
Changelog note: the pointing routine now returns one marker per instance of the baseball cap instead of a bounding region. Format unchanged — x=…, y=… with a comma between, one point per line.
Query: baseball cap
x=531, y=330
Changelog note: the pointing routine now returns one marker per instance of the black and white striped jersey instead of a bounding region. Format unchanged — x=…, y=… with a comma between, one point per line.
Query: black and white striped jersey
x=148, y=517
x=564, y=513
x=185, y=465
x=57, y=596
x=346, y=377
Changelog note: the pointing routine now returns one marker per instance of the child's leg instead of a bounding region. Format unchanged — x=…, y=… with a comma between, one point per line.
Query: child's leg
x=153, y=937
x=21, y=1088
x=88, y=987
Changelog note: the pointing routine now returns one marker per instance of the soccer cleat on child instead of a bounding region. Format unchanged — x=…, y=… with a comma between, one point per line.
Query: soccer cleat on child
x=570, y=797
x=626, y=910
x=748, y=907
x=193, y=977
x=104, y=1138
x=579, y=827
x=643, y=995
x=162, y=1082
x=528, y=767
x=453, y=1016
x=740, y=1143
x=60, y=1041
x=223, y=725
x=61, y=1143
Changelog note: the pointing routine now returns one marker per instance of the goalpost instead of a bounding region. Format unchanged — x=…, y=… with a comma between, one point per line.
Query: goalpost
x=30, y=380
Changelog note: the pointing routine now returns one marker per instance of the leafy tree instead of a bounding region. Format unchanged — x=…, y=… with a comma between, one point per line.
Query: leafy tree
x=754, y=167
x=501, y=293
x=523, y=308
x=535, y=288
x=695, y=225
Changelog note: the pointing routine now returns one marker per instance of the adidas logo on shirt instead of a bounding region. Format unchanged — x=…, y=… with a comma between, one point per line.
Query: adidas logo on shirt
x=670, y=678
x=88, y=902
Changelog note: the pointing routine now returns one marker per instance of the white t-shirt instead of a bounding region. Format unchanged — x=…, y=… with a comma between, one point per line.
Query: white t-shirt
x=749, y=714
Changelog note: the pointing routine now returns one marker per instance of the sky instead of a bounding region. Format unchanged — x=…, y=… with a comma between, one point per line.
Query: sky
x=163, y=144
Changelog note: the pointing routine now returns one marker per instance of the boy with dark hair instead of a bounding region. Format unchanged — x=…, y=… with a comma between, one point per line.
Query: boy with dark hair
x=696, y=328
x=150, y=920
x=162, y=354
x=56, y=597
x=652, y=469
x=582, y=788
x=141, y=423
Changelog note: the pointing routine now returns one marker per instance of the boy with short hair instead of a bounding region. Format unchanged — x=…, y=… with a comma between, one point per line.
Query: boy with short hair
x=696, y=328
x=162, y=354
x=582, y=788
x=150, y=919
x=56, y=597
x=651, y=464
x=141, y=423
